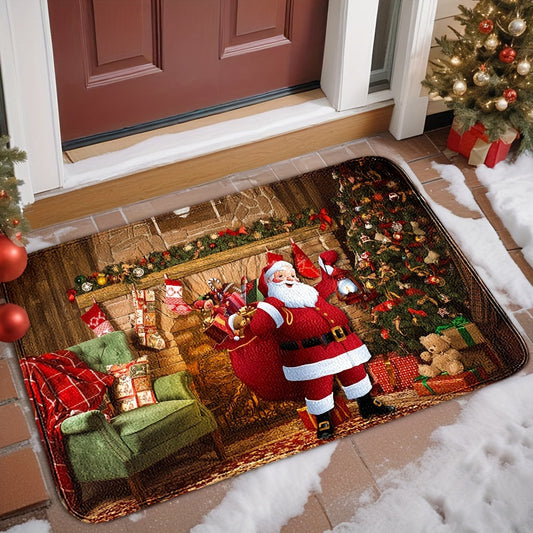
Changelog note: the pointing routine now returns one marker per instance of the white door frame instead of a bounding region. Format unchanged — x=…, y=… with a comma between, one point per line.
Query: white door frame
x=28, y=75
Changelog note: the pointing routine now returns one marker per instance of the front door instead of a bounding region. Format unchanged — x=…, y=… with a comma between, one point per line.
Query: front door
x=121, y=63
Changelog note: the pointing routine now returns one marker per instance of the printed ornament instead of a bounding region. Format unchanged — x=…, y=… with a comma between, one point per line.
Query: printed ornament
x=303, y=264
x=174, y=297
x=97, y=321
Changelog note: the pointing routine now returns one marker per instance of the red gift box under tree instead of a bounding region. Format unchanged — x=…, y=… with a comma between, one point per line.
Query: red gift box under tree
x=392, y=372
x=465, y=381
x=474, y=144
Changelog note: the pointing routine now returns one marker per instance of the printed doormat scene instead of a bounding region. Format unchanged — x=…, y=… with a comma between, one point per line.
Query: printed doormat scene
x=174, y=352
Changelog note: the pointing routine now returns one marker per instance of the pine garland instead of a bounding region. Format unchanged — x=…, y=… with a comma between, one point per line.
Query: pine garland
x=206, y=245
x=484, y=74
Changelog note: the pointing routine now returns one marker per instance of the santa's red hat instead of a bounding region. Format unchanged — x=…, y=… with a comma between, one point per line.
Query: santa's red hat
x=275, y=262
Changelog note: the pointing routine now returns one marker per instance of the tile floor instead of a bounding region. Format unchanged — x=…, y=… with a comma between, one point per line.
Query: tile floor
x=360, y=460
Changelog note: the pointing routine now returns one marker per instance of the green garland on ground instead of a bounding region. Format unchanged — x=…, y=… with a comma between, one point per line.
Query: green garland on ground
x=204, y=246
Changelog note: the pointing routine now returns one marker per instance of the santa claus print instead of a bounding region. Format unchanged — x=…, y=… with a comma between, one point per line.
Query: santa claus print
x=316, y=342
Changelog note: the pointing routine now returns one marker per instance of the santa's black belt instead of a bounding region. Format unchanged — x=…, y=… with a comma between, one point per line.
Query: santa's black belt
x=337, y=334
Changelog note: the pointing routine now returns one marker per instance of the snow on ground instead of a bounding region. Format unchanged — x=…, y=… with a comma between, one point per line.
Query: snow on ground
x=477, y=475
x=263, y=500
x=475, y=478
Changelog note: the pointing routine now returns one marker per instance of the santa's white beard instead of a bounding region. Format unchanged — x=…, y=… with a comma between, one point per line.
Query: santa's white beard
x=297, y=295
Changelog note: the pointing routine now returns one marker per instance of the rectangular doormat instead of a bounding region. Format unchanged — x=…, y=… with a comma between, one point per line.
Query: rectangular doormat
x=175, y=352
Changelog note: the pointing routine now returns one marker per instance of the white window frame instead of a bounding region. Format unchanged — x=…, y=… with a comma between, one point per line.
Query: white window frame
x=31, y=99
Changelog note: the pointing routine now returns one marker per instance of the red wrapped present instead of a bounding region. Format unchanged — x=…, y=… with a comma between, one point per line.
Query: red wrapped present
x=445, y=383
x=217, y=327
x=341, y=412
x=392, y=372
x=474, y=144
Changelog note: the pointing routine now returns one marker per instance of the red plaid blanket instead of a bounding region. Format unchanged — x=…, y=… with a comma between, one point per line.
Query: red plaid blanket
x=60, y=385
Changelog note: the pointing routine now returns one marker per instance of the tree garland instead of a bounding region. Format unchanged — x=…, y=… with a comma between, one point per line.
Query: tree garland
x=204, y=246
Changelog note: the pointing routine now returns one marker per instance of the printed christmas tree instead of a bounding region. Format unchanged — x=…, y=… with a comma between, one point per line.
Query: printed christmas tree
x=484, y=74
x=401, y=258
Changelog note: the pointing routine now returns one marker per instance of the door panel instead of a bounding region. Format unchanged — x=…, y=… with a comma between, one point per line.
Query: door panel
x=112, y=56
x=120, y=63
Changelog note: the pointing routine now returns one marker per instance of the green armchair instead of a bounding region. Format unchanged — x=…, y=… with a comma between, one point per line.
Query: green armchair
x=132, y=441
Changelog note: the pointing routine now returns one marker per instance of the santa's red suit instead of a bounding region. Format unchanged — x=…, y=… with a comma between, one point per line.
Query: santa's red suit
x=316, y=344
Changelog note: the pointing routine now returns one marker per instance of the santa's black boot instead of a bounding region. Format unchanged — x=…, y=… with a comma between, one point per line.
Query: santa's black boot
x=325, y=427
x=369, y=406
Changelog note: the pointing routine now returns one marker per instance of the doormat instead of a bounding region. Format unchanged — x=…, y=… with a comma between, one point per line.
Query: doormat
x=178, y=351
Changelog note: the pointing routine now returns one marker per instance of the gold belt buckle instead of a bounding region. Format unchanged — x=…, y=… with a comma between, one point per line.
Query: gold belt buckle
x=338, y=333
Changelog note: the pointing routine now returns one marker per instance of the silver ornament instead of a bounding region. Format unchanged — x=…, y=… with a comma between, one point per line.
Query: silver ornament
x=87, y=286
x=523, y=67
x=517, y=27
x=481, y=78
x=138, y=272
x=501, y=104
x=491, y=43
x=459, y=87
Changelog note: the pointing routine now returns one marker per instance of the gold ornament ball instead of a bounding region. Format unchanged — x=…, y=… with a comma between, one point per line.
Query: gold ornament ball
x=459, y=87
x=491, y=43
x=501, y=104
x=101, y=279
x=523, y=67
x=481, y=78
x=455, y=61
x=529, y=115
x=517, y=27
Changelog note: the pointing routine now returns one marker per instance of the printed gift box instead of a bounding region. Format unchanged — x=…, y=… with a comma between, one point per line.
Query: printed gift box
x=474, y=144
x=462, y=333
x=445, y=383
x=341, y=412
x=392, y=372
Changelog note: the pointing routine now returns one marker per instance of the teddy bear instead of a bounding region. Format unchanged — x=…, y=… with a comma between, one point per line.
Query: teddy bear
x=440, y=356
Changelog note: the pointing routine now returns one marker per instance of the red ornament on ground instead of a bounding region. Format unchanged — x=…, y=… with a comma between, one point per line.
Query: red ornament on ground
x=510, y=95
x=13, y=259
x=486, y=26
x=14, y=322
x=507, y=55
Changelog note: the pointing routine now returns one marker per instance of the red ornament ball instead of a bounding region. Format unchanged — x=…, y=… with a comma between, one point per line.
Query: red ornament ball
x=14, y=322
x=507, y=55
x=486, y=26
x=510, y=95
x=13, y=259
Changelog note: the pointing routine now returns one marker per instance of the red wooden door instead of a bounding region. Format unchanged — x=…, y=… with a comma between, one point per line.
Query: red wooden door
x=120, y=63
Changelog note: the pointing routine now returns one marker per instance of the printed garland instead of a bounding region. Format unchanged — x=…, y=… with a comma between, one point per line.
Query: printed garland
x=208, y=244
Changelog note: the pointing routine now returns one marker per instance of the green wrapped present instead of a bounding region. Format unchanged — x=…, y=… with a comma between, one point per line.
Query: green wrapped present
x=462, y=334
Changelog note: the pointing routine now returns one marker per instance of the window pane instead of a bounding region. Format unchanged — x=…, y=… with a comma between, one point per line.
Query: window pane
x=384, y=40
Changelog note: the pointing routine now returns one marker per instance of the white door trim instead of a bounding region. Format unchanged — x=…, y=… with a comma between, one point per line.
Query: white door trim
x=30, y=94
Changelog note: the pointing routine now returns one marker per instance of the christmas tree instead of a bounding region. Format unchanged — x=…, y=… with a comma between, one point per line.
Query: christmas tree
x=485, y=73
x=12, y=222
x=401, y=258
